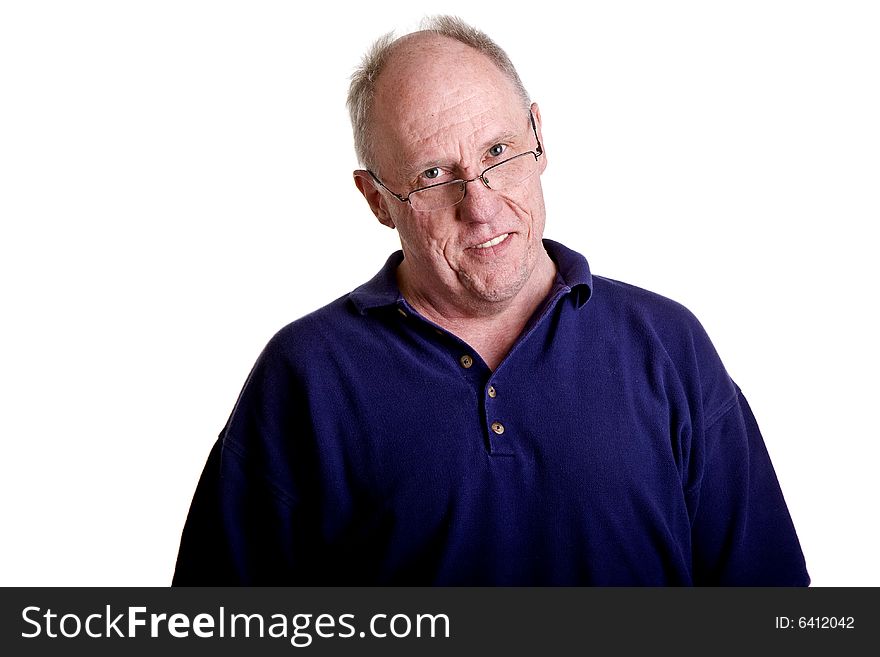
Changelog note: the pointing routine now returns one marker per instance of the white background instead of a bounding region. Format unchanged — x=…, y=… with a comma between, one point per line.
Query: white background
x=175, y=186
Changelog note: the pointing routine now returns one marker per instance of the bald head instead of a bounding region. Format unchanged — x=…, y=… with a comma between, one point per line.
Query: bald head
x=402, y=66
x=431, y=83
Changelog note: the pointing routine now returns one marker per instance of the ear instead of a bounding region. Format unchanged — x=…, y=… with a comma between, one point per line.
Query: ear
x=536, y=111
x=375, y=199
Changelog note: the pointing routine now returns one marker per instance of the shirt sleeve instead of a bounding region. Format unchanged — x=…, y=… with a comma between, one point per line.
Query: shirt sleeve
x=742, y=532
x=239, y=529
x=203, y=557
x=246, y=525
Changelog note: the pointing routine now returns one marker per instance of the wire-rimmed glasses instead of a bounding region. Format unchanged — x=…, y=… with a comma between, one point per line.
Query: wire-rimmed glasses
x=503, y=175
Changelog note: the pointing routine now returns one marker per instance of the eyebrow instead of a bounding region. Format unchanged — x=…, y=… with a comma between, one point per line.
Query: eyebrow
x=408, y=172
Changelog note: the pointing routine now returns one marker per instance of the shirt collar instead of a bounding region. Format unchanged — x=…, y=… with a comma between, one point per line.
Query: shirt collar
x=573, y=272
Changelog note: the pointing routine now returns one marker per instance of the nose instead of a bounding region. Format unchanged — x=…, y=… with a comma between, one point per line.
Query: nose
x=480, y=204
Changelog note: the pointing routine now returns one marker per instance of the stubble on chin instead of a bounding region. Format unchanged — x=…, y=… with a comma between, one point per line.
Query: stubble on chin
x=488, y=289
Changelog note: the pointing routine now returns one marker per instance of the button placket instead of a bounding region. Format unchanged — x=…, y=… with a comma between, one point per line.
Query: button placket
x=495, y=426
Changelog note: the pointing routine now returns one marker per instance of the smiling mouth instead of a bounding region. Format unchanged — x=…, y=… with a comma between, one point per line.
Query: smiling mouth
x=492, y=242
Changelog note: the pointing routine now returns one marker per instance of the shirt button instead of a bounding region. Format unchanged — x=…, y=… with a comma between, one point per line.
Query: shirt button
x=491, y=391
x=466, y=361
x=498, y=428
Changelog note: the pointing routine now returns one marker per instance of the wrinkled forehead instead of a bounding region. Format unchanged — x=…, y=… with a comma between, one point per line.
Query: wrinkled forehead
x=436, y=94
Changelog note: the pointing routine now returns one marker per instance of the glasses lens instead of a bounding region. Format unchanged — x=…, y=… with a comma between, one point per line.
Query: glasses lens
x=503, y=175
x=511, y=172
x=437, y=198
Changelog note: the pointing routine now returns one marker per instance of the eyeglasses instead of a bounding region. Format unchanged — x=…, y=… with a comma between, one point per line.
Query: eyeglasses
x=503, y=175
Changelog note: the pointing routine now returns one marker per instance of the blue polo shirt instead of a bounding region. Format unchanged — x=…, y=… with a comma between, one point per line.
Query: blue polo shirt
x=610, y=447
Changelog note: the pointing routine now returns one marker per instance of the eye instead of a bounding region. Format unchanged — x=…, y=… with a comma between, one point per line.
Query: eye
x=497, y=150
x=432, y=173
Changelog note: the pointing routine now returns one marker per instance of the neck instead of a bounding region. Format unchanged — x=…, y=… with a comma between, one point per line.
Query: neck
x=489, y=327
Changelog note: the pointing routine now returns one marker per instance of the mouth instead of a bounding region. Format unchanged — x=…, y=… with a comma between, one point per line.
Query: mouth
x=495, y=241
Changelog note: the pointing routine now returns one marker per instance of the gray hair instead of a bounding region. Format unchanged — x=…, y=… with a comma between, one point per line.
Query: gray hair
x=363, y=80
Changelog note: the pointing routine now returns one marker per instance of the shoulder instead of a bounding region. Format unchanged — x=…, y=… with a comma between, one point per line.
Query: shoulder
x=346, y=321
x=631, y=298
x=332, y=326
x=612, y=301
x=639, y=309
x=300, y=353
x=663, y=329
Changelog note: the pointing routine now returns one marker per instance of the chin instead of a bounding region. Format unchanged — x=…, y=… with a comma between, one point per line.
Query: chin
x=495, y=295
x=498, y=289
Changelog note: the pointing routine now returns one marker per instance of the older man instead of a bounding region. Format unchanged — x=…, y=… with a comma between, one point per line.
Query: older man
x=484, y=410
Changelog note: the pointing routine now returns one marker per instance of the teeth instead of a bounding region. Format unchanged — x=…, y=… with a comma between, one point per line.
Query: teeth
x=492, y=242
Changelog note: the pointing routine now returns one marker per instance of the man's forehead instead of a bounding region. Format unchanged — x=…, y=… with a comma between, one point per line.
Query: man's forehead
x=450, y=137
x=436, y=94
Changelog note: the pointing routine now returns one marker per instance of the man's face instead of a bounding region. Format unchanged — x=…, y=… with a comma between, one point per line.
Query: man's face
x=444, y=111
